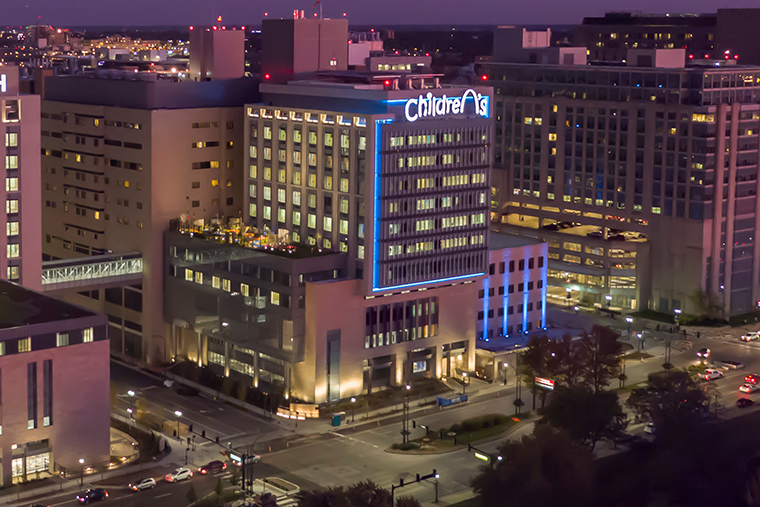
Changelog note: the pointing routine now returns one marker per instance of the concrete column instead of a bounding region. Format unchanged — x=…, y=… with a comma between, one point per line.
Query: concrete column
x=199, y=348
x=256, y=370
x=400, y=360
x=7, y=468
x=226, y=359
x=438, y=360
x=173, y=350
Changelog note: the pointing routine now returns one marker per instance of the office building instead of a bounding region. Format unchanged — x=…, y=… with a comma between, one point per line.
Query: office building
x=643, y=180
x=391, y=175
x=295, y=46
x=20, y=248
x=702, y=36
x=513, y=295
x=216, y=53
x=54, y=366
x=124, y=154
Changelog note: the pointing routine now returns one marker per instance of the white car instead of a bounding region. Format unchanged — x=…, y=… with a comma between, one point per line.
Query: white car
x=179, y=474
x=142, y=484
x=710, y=374
x=250, y=460
x=649, y=427
x=752, y=335
x=748, y=388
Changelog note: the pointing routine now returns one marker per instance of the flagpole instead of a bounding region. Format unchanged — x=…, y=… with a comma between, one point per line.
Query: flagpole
x=320, y=10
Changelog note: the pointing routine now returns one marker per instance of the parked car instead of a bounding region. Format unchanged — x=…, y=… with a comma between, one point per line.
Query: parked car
x=703, y=353
x=92, y=495
x=752, y=378
x=734, y=365
x=744, y=402
x=38, y=505
x=748, y=388
x=179, y=474
x=250, y=460
x=710, y=374
x=751, y=336
x=213, y=465
x=144, y=483
x=649, y=427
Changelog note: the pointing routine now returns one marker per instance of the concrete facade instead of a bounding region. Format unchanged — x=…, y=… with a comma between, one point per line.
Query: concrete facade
x=20, y=246
x=216, y=53
x=57, y=356
x=113, y=179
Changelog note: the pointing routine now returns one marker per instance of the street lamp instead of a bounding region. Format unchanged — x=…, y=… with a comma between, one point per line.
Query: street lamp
x=437, y=475
x=464, y=382
x=505, y=372
x=638, y=335
x=609, y=300
x=81, y=473
x=178, y=414
x=131, y=395
x=629, y=320
x=405, y=422
x=353, y=406
x=677, y=313
x=568, y=290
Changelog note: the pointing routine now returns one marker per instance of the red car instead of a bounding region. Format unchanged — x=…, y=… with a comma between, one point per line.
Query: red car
x=752, y=378
x=210, y=467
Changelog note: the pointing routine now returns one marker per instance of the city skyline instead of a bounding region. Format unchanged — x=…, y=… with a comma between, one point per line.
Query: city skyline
x=420, y=12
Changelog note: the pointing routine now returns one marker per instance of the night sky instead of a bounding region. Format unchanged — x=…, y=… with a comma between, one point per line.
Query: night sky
x=180, y=12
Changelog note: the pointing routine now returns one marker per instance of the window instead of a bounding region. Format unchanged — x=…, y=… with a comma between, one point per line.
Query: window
x=87, y=335
x=274, y=298
x=12, y=251
x=198, y=277
x=11, y=139
x=47, y=392
x=31, y=395
x=11, y=206
x=328, y=224
x=61, y=339
x=25, y=345
x=11, y=184
x=296, y=218
x=12, y=229
x=188, y=275
x=244, y=289
x=216, y=282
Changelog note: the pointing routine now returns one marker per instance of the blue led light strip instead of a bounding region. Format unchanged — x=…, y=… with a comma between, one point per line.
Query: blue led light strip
x=427, y=282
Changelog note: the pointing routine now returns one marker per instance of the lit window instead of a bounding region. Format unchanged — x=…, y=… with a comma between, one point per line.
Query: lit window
x=226, y=285
x=11, y=139
x=312, y=221
x=11, y=184
x=11, y=161
x=274, y=298
x=12, y=229
x=12, y=251
x=267, y=212
x=25, y=345
x=87, y=335
x=198, y=277
x=215, y=282
x=328, y=224
x=188, y=275
x=61, y=339
x=244, y=289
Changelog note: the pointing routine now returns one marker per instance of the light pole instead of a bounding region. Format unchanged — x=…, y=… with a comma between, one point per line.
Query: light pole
x=405, y=425
x=436, y=487
x=629, y=320
x=569, y=291
x=638, y=335
x=464, y=382
x=81, y=473
x=677, y=315
x=517, y=381
x=178, y=414
x=505, y=373
x=609, y=300
x=353, y=407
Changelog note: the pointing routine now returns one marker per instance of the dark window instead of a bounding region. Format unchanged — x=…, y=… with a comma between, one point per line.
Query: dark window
x=520, y=287
x=501, y=290
x=522, y=264
x=492, y=269
x=490, y=314
x=530, y=285
x=229, y=201
x=31, y=395
x=511, y=289
x=510, y=311
x=501, y=312
x=530, y=263
x=511, y=266
x=47, y=392
x=501, y=268
x=133, y=300
x=480, y=315
x=541, y=262
x=519, y=308
x=113, y=296
x=481, y=293
x=539, y=283
x=490, y=292
x=530, y=307
x=539, y=305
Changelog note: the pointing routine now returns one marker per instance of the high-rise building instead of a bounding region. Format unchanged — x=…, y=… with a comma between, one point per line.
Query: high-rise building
x=643, y=179
x=54, y=360
x=122, y=157
x=367, y=203
x=20, y=248
x=703, y=36
x=216, y=53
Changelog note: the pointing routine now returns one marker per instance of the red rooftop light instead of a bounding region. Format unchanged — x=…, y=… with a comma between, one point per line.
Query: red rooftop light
x=267, y=76
x=484, y=77
x=387, y=82
x=691, y=57
x=192, y=28
x=344, y=14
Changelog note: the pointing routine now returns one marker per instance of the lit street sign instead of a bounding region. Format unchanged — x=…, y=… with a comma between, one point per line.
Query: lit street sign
x=545, y=383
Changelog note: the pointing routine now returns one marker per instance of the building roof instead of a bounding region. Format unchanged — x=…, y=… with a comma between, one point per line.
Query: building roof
x=500, y=240
x=22, y=307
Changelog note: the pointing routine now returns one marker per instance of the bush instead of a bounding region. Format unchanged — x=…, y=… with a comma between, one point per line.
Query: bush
x=456, y=428
x=471, y=425
x=486, y=423
x=406, y=447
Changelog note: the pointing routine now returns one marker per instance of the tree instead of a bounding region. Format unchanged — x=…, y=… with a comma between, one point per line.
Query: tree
x=235, y=478
x=219, y=489
x=541, y=470
x=567, y=360
x=191, y=495
x=407, y=501
x=587, y=416
x=535, y=361
x=672, y=400
x=601, y=352
x=368, y=494
x=708, y=304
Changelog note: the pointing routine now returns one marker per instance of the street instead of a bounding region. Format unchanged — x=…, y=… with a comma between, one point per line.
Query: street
x=316, y=458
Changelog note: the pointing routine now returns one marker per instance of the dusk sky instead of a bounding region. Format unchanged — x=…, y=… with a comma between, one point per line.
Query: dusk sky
x=161, y=12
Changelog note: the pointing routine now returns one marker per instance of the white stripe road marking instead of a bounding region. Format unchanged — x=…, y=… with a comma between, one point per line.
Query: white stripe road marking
x=61, y=503
x=162, y=496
